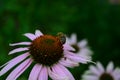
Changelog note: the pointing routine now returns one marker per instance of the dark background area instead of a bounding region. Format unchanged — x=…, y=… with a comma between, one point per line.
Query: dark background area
x=98, y=21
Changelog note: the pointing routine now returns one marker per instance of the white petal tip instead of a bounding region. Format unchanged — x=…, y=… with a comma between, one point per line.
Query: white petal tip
x=93, y=62
x=10, y=44
x=9, y=53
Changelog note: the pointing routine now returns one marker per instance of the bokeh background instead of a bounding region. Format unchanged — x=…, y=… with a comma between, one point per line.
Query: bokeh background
x=98, y=21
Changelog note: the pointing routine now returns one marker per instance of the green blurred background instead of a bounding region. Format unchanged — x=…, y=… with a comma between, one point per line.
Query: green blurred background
x=98, y=21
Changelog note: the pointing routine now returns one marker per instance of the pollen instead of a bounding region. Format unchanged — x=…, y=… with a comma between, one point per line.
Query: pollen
x=46, y=50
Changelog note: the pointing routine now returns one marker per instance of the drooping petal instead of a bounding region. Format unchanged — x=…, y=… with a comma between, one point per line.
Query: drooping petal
x=43, y=75
x=68, y=47
x=18, y=50
x=59, y=72
x=57, y=75
x=13, y=62
x=110, y=67
x=19, y=70
x=68, y=63
x=38, y=33
x=20, y=43
x=30, y=36
x=66, y=72
x=77, y=58
x=35, y=72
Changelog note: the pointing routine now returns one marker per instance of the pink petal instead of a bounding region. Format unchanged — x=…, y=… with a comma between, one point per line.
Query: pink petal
x=68, y=47
x=67, y=72
x=68, y=63
x=90, y=77
x=85, y=52
x=38, y=33
x=43, y=75
x=83, y=43
x=116, y=71
x=94, y=70
x=73, y=38
x=21, y=43
x=4, y=65
x=57, y=76
x=88, y=72
x=77, y=58
x=13, y=62
x=68, y=41
x=59, y=72
x=30, y=36
x=100, y=67
x=19, y=70
x=110, y=67
x=18, y=50
x=35, y=72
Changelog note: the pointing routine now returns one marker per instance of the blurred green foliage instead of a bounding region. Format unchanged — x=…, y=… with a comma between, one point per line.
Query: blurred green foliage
x=98, y=21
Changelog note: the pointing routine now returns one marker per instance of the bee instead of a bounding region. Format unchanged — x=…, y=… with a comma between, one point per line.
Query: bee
x=62, y=37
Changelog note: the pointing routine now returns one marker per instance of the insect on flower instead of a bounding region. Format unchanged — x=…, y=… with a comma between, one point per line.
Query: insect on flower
x=62, y=37
x=50, y=55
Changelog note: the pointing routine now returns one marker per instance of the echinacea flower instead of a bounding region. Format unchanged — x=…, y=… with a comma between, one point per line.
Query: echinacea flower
x=81, y=47
x=49, y=54
x=99, y=73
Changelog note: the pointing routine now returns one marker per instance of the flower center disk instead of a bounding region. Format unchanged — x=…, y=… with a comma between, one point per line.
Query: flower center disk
x=46, y=50
x=106, y=76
